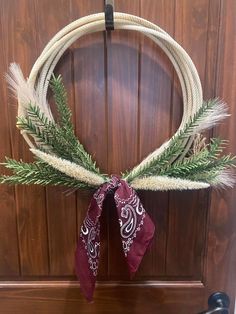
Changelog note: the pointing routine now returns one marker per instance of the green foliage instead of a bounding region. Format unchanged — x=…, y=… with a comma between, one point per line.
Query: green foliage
x=203, y=166
x=60, y=97
x=164, y=164
x=58, y=138
x=41, y=135
x=37, y=173
x=52, y=137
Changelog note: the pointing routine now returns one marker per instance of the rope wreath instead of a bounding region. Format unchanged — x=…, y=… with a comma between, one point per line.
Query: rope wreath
x=185, y=161
x=163, y=169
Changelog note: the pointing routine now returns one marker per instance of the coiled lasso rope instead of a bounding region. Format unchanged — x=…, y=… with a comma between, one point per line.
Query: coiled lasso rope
x=44, y=66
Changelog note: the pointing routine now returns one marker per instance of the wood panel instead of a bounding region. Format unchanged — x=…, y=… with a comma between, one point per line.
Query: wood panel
x=9, y=261
x=122, y=49
x=61, y=208
x=110, y=298
x=126, y=101
x=90, y=108
x=155, y=90
x=221, y=252
x=18, y=22
x=188, y=206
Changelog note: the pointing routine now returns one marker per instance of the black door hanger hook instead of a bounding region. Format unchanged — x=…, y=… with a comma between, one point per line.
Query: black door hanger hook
x=109, y=15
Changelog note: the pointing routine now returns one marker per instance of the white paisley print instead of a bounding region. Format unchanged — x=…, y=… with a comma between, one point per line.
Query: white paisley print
x=89, y=233
x=131, y=219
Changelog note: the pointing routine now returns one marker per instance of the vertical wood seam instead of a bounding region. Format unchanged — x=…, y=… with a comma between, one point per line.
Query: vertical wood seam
x=207, y=46
x=107, y=138
x=11, y=152
x=139, y=90
x=209, y=197
x=44, y=188
x=174, y=77
x=219, y=40
x=106, y=131
x=74, y=122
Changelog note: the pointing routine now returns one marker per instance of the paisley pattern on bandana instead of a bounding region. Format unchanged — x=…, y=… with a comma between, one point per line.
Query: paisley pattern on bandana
x=136, y=231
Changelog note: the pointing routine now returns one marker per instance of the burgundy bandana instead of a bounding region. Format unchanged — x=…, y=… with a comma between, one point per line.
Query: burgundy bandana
x=136, y=230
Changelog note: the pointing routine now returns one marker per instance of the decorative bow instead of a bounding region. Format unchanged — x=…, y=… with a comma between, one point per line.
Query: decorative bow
x=136, y=230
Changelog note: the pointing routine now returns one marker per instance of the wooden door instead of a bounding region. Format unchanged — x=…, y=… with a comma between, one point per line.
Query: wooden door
x=126, y=101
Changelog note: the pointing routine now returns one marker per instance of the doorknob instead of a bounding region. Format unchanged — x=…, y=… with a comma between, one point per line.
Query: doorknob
x=218, y=303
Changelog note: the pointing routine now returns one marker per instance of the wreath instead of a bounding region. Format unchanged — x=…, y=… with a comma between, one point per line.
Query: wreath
x=185, y=161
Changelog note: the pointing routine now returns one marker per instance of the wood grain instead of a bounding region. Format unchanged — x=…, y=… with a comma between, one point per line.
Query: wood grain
x=122, y=103
x=126, y=101
x=155, y=97
x=9, y=254
x=90, y=108
x=61, y=209
x=221, y=238
x=21, y=46
x=108, y=299
x=188, y=206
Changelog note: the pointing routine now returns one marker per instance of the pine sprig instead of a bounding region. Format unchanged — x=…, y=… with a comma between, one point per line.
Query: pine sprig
x=66, y=128
x=158, y=164
x=38, y=117
x=216, y=147
x=205, y=165
x=58, y=138
x=41, y=135
x=193, y=169
x=60, y=97
x=37, y=172
x=204, y=159
x=209, y=172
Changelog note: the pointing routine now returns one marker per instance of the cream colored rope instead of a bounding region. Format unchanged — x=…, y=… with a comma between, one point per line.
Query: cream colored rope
x=188, y=76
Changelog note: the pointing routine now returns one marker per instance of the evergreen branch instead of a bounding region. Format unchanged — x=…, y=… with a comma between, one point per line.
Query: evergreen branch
x=66, y=129
x=38, y=117
x=51, y=137
x=60, y=97
x=41, y=135
x=158, y=164
x=210, y=171
x=194, y=170
x=216, y=147
x=195, y=162
x=58, y=138
x=202, y=166
x=38, y=173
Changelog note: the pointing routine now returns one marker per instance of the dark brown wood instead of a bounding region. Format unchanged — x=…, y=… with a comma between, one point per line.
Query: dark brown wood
x=126, y=101
x=110, y=298
x=188, y=206
x=155, y=97
x=18, y=23
x=61, y=209
x=89, y=87
x=221, y=238
x=9, y=255
x=122, y=73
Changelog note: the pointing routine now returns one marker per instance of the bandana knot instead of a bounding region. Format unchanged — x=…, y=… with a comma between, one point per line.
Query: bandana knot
x=136, y=231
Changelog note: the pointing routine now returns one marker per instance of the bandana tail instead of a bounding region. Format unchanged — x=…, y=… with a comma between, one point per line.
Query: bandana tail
x=136, y=227
x=86, y=278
